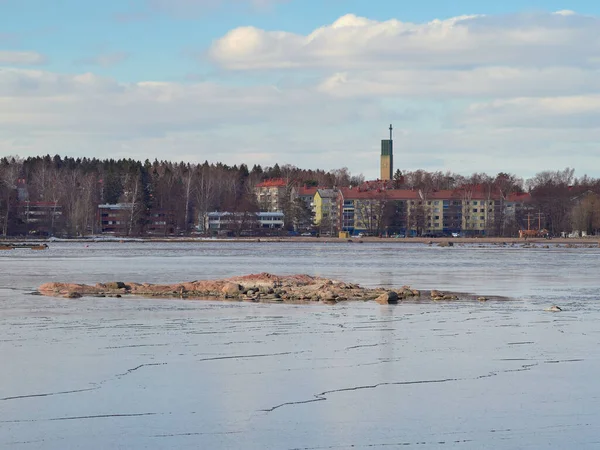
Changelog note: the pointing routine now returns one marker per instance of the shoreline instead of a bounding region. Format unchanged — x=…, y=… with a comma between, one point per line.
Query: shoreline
x=588, y=241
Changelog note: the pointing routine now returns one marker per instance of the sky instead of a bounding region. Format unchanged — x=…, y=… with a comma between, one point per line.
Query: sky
x=469, y=86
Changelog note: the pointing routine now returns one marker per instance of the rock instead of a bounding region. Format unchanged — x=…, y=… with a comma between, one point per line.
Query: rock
x=249, y=287
x=387, y=298
x=328, y=296
x=554, y=308
x=113, y=285
x=72, y=295
x=482, y=299
x=446, y=244
x=231, y=289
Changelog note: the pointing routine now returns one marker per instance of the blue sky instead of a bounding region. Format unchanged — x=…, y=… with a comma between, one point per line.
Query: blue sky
x=187, y=75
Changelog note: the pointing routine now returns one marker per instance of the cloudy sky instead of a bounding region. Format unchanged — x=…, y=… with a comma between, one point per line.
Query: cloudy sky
x=469, y=85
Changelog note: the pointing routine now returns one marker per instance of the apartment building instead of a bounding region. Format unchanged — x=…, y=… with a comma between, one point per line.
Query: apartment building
x=271, y=194
x=471, y=212
x=326, y=209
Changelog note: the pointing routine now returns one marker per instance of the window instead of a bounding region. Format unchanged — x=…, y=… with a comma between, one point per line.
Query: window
x=429, y=203
x=436, y=224
x=437, y=217
x=474, y=209
x=436, y=210
x=481, y=217
x=475, y=202
x=436, y=203
x=481, y=225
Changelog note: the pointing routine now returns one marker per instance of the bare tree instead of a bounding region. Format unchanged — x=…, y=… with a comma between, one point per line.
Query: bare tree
x=9, y=175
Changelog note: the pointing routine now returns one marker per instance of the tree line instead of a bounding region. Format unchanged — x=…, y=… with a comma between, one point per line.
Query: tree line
x=72, y=188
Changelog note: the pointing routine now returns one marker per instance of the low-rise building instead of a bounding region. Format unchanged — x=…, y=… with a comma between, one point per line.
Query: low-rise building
x=38, y=218
x=115, y=218
x=124, y=219
x=238, y=222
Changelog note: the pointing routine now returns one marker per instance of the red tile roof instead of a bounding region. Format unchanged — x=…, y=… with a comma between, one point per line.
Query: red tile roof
x=519, y=197
x=306, y=191
x=274, y=182
x=415, y=194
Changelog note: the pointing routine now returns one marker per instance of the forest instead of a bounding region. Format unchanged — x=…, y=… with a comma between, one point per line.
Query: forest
x=76, y=186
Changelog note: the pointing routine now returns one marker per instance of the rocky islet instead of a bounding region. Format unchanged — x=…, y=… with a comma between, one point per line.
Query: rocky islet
x=263, y=287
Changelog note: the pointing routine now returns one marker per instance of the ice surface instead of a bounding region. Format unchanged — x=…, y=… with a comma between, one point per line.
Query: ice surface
x=158, y=374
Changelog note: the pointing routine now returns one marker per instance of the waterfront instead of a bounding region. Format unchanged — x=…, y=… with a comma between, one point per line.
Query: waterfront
x=129, y=373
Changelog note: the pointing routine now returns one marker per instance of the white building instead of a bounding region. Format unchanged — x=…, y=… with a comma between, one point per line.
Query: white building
x=215, y=221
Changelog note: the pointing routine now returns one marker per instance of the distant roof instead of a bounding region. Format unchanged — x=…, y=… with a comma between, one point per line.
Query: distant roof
x=469, y=193
x=519, y=197
x=307, y=191
x=273, y=182
x=328, y=193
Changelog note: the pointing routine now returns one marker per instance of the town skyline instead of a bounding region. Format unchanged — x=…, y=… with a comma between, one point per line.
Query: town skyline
x=49, y=196
x=469, y=87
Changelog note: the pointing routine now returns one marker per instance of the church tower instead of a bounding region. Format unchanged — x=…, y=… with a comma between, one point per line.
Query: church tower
x=387, y=158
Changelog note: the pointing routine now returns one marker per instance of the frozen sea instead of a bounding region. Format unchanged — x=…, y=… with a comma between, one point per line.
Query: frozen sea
x=174, y=374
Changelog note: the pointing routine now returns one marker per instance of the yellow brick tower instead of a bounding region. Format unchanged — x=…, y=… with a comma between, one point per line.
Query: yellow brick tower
x=387, y=157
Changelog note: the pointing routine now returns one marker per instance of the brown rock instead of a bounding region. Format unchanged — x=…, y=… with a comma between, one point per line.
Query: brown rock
x=328, y=296
x=232, y=289
x=387, y=298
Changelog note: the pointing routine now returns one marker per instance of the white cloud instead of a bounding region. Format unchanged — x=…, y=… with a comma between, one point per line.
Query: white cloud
x=354, y=42
x=473, y=93
x=21, y=58
x=454, y=83
x=582, y=111
x=88, y=103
